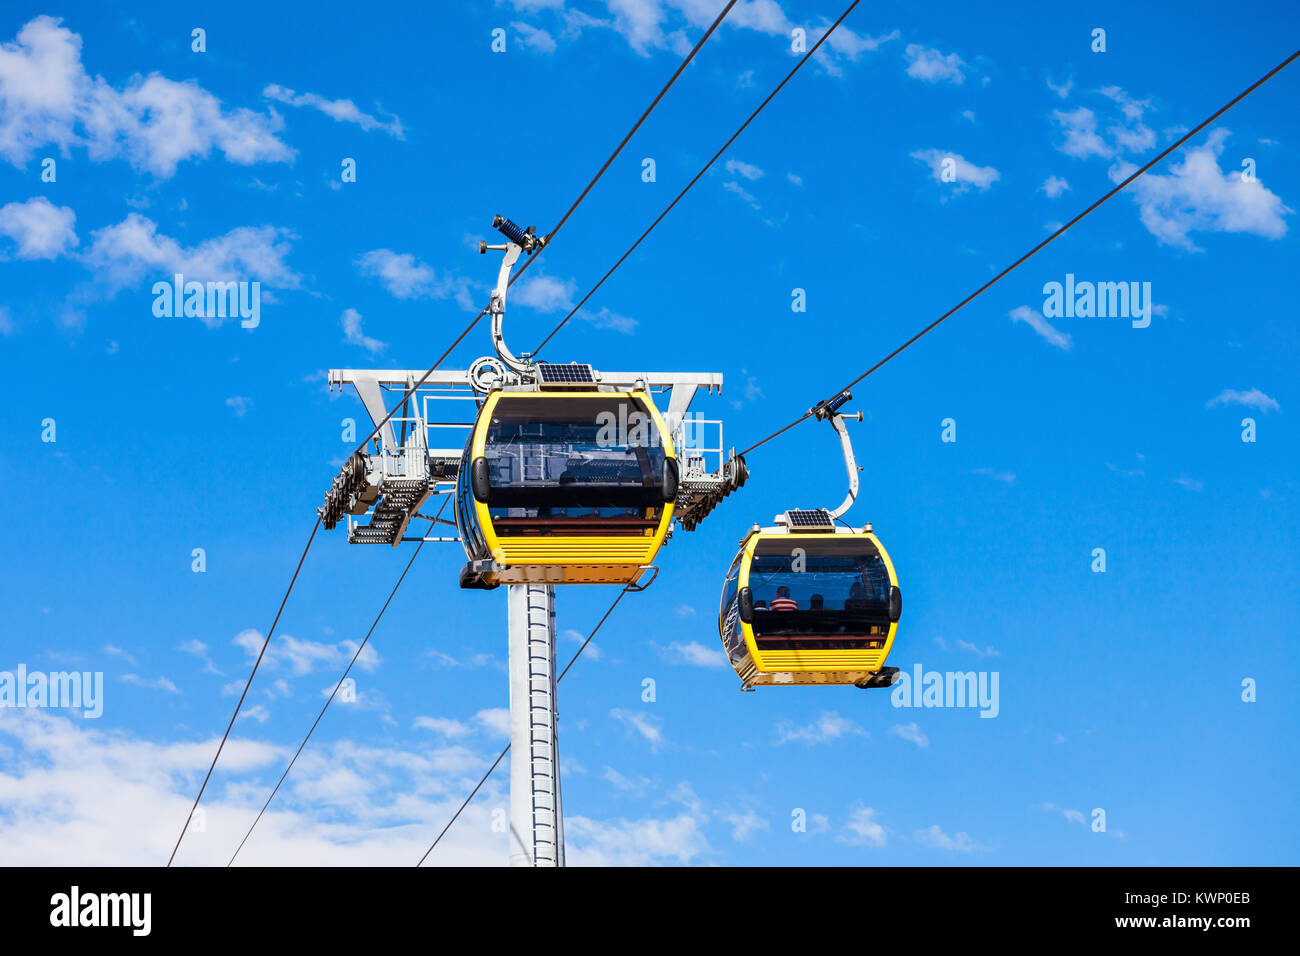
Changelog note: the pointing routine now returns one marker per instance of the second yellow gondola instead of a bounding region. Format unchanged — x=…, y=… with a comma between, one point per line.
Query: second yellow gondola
x=805, y=602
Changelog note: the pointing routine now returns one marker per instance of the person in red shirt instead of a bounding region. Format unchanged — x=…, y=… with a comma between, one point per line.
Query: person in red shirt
x=783, y=601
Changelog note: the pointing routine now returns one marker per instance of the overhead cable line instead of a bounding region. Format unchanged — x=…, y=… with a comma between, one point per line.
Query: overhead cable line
x=501, y=756
x=1057, y=234
x=563, y=219
x=346, y=672
x=249, y=683
x=705, y=169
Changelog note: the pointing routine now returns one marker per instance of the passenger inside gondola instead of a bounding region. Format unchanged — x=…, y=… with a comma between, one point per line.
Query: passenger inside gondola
x=838, y=599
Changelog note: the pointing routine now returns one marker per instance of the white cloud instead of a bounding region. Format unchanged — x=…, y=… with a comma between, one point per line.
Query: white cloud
x=674, y=25
x=732, y=186
x=746, y=170
x=199, y=650
x=985, y=651
x=1197, y=196
x=353, y=334
x=933, y=836
x=1054, y=186
x=406, y=277
x=745, y=825
x=1252, y=398
x=911, y=732
x=82, y=797
x=1006, y=477
x=646, y=842
x=7, y=326
x=133, y=250
x=495, y=719
x=443, y=726
x=1034, y=319
x=1081, y=137
x=342, y=111
x=827, y=727
x=303, y=656
x=967, y=173
x=1073, y=816
x=544, y=293
x=607, y=319
x=650, y=728
x=626, y=784
x=862, y=828
x=928, y=64
x=257, y=712
x=534, y=38
x=240, y=404
x=1063, y=91
x=48, y=99
x=695, y=654
x=39, y=229
x=115, y=651
x=592, y=651
x=158, y=683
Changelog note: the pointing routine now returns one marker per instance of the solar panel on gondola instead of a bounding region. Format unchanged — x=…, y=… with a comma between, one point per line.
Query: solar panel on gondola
x=817, y=520
x=571, y=374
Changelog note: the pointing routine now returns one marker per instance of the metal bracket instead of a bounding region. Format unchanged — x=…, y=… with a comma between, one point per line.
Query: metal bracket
x=636, y=586
x=521, y=240
x=830, y=410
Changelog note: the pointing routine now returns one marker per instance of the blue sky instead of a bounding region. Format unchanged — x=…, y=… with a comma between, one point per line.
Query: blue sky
x=1120, y=690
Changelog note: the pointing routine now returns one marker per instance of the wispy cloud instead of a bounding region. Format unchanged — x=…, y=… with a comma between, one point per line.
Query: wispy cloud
x=933, y=836
x=1050, y=333
x=353, y=334
x=955, y=171
x=406, y=277
x=910, y=732
x=157, y=683
x=648, y=727
x=1081, y=137
x=745, y=170
x=862, y=828
x=931, y=66
x=827, y=727
x=239, y=404
x=694, y=654
x=1252, y=398
x=1006, y=477
x=1054, y=186
x=342, y=111
x=534, y=38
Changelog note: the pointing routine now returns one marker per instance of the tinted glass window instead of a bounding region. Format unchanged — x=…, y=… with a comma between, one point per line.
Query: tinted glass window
x=806, y=590
x=591, y=465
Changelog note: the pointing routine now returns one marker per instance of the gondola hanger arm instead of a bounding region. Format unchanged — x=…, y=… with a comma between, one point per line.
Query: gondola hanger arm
x=521, y=241
x=829, y=411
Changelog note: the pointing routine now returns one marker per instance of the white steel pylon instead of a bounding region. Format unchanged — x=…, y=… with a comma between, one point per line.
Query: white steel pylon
x=536, y=816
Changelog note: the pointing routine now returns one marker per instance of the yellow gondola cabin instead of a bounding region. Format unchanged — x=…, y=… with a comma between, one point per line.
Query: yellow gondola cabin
x=564, y=487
